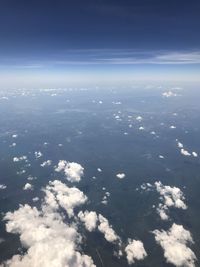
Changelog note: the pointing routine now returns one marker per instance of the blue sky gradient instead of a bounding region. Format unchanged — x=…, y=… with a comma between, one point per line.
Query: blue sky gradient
x=95, y=39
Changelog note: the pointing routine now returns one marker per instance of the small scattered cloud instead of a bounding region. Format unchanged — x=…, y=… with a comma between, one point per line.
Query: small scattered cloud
x=46, y=163
x=35, y=199
x=184, y=152
x=139, y=118
x=89, y=219
x=3, y=186
x=172, y=127
x=28, y=187
x=73, y=171
x=171, y=197
x=107, y=230
x=168, y=94
x=121, y=175
x=38, y=154
x=135, y=251
x=194, y=154
x=21, y=158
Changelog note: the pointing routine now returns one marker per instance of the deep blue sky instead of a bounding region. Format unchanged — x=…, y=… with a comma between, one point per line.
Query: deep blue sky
x=72, y=35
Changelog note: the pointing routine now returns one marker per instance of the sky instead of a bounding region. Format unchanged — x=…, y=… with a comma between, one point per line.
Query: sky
x=45, y=42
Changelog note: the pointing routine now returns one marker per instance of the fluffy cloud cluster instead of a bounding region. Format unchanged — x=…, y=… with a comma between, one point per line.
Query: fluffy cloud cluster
x=58, y=194
x=28, y=187
x=184, y=152
x=174, y=243
x=107, y=230
x=168, y=94
x=2, y=186
x=38, y=154
x=89, y=219
x=120, y=175
x=139, y=118
x=171, y=197
x=49, y=240
x=72, y=170
x=135, y=251
x=17, y=159
x=46, y=163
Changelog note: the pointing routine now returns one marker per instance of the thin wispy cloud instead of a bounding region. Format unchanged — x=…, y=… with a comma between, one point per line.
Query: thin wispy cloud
x=81, y=57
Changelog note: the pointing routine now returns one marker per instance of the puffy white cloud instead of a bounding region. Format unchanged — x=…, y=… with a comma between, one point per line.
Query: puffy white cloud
x=72, y=170
x=66, y=197
x=171, y=197
x=135, y=251
x=180, y=145
x=13, y=145
x=174, y=243
x=28, y=187
x=141, y=128
x=89, y=219
x=46, y=163
x=38, y=154
x=168, y=94
x=139, y=118
x=120, y=175
x=35, y=199
x=185, y=152
x=17, y=159
x=31, y=178
x=99, y=169
x=107, y=230
x=14, y=136
x=194, y=154
x=49, y=240
x=172, y=127
x=2, y=186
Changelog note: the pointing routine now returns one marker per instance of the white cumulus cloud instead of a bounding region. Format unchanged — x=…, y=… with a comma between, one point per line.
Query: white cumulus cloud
x=120, y=175
x=28, y=187
x=44, y=233
x=135, y=251
x=174, y=243
x=89, y=219
x=2, y=186
x=168, y=94
x=72, y=170
x=46, y=163
x=171, y=197
x=107, y=230
x=184, y=152
x=38, y=154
